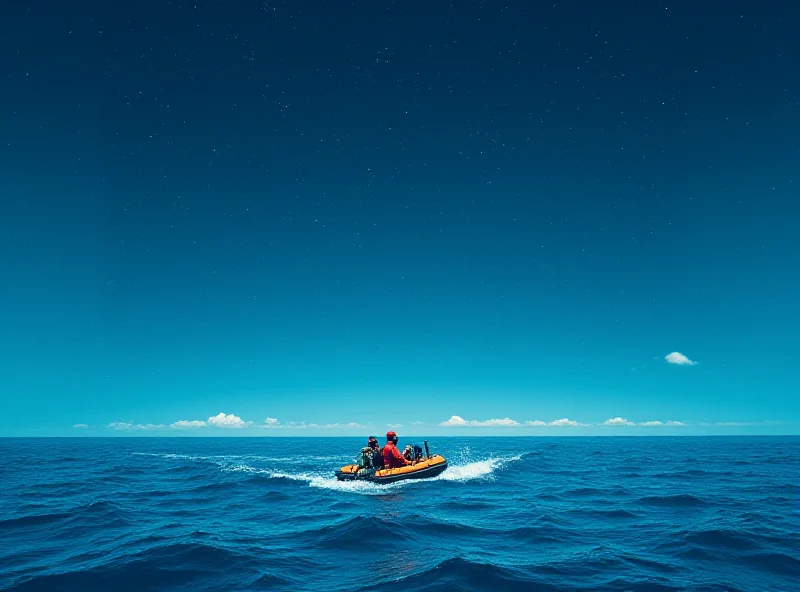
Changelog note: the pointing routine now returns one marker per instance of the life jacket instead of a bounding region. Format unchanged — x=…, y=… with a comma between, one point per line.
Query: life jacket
x=392, y=457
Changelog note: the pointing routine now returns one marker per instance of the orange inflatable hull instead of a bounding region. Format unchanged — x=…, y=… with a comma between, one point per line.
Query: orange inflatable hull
x=422, y=469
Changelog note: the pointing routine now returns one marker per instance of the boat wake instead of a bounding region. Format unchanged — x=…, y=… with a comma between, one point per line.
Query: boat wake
x=262, y=468
x=459, y=473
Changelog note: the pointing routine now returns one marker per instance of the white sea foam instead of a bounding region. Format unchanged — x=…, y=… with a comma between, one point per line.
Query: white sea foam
x=460, y=470
x=357, y=487
x=222, y=458
x=470, y=471
x=481, y=469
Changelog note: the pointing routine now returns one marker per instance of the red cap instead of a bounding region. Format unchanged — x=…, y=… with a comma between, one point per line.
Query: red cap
x=390, y=435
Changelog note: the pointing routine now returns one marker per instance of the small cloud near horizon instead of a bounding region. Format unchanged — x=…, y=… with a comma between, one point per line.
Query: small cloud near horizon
x=294, y=425
x=618, y=421
x=183, y=424
x=679, y=359
x=621, y=421
x=228, y=421
x=563, y=423
x=458, y=421
x=558, y=423
x=126, y=425
x=80, y=425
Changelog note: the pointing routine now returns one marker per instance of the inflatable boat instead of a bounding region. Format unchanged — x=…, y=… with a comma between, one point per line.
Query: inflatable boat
x=431, y=465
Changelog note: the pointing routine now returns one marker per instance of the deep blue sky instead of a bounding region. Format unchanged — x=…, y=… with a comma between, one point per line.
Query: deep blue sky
x=372, y=212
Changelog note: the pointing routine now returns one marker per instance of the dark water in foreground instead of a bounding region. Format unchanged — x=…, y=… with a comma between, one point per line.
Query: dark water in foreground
x=510, y=514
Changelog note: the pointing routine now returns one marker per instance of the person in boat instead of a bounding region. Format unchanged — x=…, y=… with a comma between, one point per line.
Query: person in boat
x=371, y=456
x=391, y=455
x=377, y=455
x=412, y=452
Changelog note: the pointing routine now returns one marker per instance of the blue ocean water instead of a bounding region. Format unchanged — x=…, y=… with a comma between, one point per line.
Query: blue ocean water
x=546, y=514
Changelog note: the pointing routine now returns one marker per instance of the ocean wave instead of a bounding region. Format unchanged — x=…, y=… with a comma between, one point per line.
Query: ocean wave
x=179, y=564
x=275, y=496
x=467, y=505
x=418, y=530
x=596, y=492
x=468, y=575
x=599, y=513
x=353, y=532
x=270, y=581
x=32, y=520
x=721, y=538
x=212, y=487
x=780, y=564
x=550, y=497
x=463, y=575
x=683, y=500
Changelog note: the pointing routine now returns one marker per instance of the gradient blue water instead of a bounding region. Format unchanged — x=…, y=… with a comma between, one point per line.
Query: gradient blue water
x=509, y=514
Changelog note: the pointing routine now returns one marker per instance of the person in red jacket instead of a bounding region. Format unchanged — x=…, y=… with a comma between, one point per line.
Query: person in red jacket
x=391, y=455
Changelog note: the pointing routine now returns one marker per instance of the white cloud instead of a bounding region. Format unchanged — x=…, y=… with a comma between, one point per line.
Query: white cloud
x=563, y=423
x=617, y=421
x=120, y=425
x=457, y=421
x=454, y=420
x=394, y=426
x=347, y=426
x=294, y=425
x=417, y=422
x=228, y=421
x=500, y=423
x=271, y=421
x=126, y=425
x=679, y=359
x=734, y=424
x=80, y=425
x=183, y=424
x=621, y=421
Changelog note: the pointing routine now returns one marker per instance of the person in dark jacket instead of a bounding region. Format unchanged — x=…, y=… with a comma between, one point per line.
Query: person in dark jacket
x=391, y=455
x=377, y=455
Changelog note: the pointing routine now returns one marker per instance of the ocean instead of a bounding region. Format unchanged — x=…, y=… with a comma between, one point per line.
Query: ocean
x=549, y=514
